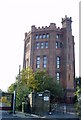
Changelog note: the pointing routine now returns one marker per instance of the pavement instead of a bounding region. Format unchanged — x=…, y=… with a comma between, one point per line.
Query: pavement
x=4, y=115
x=25, y=115
x=52, y=115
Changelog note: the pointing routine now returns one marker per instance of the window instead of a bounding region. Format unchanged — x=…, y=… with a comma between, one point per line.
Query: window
x=68, y=40
x=37, y=36
x=57, y=45
x=27, y=62
x=57, y=36
x=44, y=36
x=61, y=44
x=42, y=44
x=40, y=36
x=61, y=36
x=68, y=56
x=44, y=61
x=58, y=62
x=27, y=47
x=37, y=45
x=47, y=35
x=46, y=44
x=69, y=76
x=38, y=62
x=58, y=76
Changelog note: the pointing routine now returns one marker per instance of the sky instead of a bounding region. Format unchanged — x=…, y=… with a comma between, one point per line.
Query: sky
x=17, y=17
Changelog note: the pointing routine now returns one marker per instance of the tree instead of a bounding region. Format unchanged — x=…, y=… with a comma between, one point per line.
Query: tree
x=12, y=87
x=77, y=98
x=0, y=90
x=23, y=86
x=78, y=81
x=40, y=77
x=28, y=79
x=45, y=82
x=21, y=94
x=33, y=81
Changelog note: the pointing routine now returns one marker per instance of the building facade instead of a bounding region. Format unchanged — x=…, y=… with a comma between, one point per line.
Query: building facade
x=52, y=48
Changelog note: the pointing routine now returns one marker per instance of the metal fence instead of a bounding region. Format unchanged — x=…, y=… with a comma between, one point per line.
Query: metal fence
x=62, y=108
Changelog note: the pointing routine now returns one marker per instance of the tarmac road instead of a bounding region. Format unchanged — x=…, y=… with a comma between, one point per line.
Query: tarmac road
x=4, y=115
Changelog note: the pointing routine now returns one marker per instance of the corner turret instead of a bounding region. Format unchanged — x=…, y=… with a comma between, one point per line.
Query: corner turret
x=66, y=22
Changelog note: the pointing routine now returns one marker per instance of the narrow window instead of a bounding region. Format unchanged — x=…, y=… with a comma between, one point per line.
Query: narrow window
x=68, y=40
x=58, y=76
x=58, y=62
x=47, y=35
x=44, y=36
x=38, y=62
x=61, y=36
x=57, y=45
x=42, y=44
x=69, y=76
x=44, y=61
x=68, y=56
x=40, y=36
x=37, y=45
x=57, y=36
x=61, y=44
x=37, y=36
x=46, y=44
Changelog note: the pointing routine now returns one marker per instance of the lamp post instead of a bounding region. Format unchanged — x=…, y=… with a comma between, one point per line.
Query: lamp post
x=14, y=98
x=19, y=72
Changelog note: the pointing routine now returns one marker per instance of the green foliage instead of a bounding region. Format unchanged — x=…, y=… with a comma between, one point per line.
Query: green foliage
x=45, y=82
x=21, y=94
x=12, y=87
x=22, y=86
x=78, y=95
x=78, y=81
x=27, y=78
x=30, y=81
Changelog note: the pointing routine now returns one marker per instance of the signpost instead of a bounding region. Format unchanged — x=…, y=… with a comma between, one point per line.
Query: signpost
x=14, y=98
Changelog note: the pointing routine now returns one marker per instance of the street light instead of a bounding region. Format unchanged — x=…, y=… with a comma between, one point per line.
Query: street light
x=14, y=98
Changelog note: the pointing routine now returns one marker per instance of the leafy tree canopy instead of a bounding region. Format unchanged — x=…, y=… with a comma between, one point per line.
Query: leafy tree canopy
x=34, y=81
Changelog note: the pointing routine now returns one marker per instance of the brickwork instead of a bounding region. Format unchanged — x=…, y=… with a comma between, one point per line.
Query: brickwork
x=60, y=43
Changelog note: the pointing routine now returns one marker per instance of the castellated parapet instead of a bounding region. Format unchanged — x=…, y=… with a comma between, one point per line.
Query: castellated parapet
x=67, y=18
x=52, y=26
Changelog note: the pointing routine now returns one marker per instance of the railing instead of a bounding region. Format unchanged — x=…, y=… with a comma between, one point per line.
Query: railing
x=62, y=108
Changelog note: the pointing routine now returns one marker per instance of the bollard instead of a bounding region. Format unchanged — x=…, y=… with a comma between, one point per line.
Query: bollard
x=23, y=107
x=64, y=108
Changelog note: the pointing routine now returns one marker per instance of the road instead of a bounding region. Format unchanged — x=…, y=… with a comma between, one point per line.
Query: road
x=4, y=115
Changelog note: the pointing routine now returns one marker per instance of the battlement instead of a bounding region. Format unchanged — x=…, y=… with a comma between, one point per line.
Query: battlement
x=52, y=26
x=66, y=18
x=27, y=34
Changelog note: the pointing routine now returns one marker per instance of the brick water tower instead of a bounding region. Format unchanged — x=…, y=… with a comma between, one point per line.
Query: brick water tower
x=52, y=48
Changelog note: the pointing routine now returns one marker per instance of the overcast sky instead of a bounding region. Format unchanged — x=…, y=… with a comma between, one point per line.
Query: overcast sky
x=17, y=17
